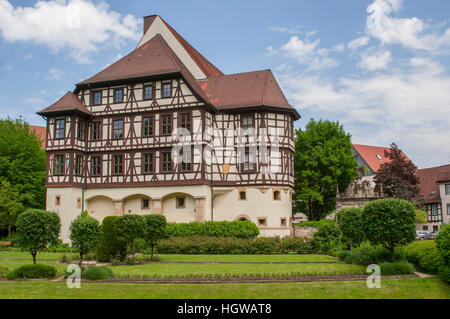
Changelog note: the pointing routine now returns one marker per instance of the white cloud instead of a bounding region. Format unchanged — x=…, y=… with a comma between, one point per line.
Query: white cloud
x=78, y=26
x=409, y=32
x=410, y=107
x=372, y=61
x=307, y=52
x=54, y=74
x=358, y=42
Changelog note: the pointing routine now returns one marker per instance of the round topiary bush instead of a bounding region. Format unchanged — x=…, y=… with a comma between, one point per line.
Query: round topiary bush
x=110, y=246
x=34, y=271
x=389, y=222
x=97, y=273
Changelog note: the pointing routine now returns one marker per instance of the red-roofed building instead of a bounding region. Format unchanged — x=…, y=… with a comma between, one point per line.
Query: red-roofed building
x=435, y=188
x=109, y=142
x=40, y=132
x=370, y=158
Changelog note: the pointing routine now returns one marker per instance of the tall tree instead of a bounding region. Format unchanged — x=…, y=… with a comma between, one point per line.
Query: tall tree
x=397, y=178
x=10, y=205
x=323, y=163
x=23, y=162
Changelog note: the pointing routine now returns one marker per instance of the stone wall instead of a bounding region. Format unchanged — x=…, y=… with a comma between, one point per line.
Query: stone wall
x=304, y=232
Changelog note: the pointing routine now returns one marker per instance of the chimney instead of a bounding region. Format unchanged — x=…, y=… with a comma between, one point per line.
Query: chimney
x=148, y=20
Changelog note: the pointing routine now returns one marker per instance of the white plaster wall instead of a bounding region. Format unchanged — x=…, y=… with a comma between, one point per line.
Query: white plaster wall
x=67, y=210
x=445, y=200
x=179, y=215
x=99, y=207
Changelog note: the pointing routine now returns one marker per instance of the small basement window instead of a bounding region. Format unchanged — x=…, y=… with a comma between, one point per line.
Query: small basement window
x=145, y=204
x=242, y=195
x=283, y=222
x=181, y=203
x=58, y=200
x=262, y=221
x=276, y=195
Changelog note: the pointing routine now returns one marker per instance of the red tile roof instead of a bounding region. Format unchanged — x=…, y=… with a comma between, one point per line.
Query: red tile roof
x=69, y=102
x=40, y=132
x=207, y=67
x=429, y=178
x=369, y=155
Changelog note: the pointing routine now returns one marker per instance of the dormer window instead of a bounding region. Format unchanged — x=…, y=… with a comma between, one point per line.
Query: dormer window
x=59, y=128
x=166, y=90
x=96, y=97
x=118, y=95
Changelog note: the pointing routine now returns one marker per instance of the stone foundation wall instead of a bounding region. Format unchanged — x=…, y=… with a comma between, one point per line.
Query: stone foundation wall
x=304, y=232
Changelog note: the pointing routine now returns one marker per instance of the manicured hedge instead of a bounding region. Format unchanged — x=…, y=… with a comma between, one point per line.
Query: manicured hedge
x=110, y=246
x=366, y=254
x=237, y=229
x=315, y=223
x=423, y=255
x=97, y=273
x=34, y=271
x=3, y=272
x=397, y=268
x=230, y=245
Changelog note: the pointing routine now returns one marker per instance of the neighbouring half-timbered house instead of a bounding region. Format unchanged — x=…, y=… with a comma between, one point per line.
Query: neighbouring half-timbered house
x=163, y=131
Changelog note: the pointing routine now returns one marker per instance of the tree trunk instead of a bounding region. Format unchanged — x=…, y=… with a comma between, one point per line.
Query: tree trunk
x=132, y=248
x=152, y=252
x=81, y=259
x=351, y=246
x=34, y=257
x=9, y=230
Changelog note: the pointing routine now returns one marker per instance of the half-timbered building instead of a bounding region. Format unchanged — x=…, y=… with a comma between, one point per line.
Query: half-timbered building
x=164, y=131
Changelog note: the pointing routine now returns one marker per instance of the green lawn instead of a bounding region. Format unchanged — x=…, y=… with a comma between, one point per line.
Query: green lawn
x=247, y=258
x=393, y=289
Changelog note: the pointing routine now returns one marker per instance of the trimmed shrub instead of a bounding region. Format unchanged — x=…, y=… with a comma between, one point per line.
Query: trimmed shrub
x=315, y=223
x=110, y=246
x=443, y=246
x=423, y=255
x=444, y=273
x=397, y=268
x=349, y=221
x=237, y=229
x=97, y=273
x=230, y=245
x=34, y=271
x=327, y=238
x=389, y=222
x=154, y=230
x=84, y=233
x=128, y=228
x=3, y=272
x=342, y=255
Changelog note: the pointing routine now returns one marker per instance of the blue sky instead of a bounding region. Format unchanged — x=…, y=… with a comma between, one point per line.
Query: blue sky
x=380, y=67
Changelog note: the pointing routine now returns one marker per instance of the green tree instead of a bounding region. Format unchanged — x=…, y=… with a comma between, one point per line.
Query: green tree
x=23, y=162
x=421, y=217
x=389, y=222
x=350, y=223
x=323, y=163
x=37, y=229
x=129, y=228
x=154, y=229
x=10, y=205
x=110, y=246
x=397, y=178
x=84, y=233
x=443, y=247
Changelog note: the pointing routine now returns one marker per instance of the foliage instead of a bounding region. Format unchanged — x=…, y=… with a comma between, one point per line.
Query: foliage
x=154, y=230
x=315, y=223
x=10, y=205
x=397, y=177
x=421, y=217
x=327, y=238
x=33, y=271
x=443, y=243
x=350, y=223
x=3, y=272
x=23, y=162
x=423, y=255
x=233, y=246
x=366, y=254
x=389, y=222
x=110, y=246
x=129, y=228
x=37, y=229
x=238, y=229
x=85, y=234
x=97, y=273
x=323, y=163
x=397, y=268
